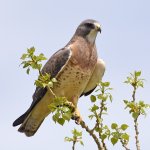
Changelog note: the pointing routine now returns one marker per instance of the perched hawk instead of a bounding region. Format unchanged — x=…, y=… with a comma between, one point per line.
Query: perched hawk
x=77, y=70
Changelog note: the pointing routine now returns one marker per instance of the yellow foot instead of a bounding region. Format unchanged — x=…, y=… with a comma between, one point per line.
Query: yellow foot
x=77, y=117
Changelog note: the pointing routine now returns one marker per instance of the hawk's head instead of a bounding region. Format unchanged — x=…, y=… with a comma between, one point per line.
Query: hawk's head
x=88, y=29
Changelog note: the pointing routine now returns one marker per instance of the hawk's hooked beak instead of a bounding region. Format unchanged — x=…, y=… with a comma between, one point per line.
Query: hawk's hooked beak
x=98, y=27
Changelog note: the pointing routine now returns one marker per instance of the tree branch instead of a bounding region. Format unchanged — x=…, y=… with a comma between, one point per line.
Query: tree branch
x=136, y=134
x=134, y=91
x=101, y=124
x=73, y=146
x=124, y=145
x=84, y=126
x=136, y=119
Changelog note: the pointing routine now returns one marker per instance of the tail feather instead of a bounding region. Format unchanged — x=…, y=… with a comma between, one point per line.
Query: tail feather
x=20, y=120
x=30, y=126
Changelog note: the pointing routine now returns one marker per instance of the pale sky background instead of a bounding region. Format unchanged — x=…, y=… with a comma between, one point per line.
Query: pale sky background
x=48, y=25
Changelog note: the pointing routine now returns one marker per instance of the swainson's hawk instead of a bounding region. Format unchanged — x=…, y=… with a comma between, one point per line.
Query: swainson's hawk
x=77, y=70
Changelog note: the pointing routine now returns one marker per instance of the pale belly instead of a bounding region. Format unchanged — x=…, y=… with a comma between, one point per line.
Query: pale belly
x=71, y=82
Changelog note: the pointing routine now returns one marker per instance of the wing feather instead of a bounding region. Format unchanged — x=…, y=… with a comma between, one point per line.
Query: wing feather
x=53, y=67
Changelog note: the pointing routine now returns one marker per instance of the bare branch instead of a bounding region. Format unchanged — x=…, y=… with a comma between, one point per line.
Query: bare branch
x=136, y=134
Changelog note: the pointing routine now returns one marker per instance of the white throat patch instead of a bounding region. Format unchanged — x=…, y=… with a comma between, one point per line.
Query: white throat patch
x=92, y=36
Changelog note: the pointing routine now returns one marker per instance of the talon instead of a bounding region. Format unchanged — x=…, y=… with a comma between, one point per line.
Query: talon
x=77, y=119
x=76, y=116
x=73, y=117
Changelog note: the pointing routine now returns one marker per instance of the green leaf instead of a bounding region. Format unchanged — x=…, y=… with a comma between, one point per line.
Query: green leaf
x=38, y=83
x=39, y=66
x=26, y=64
x=104, y=136
x=124, y=127
x=67, y=139
x=94, y=108
x=61, y=121
x=67, y=116
x=41, y=57
x=65, y=109
x=106, y=84
x=104, y=98
x=31, y=50
x=28, y=71
x=110, y=97
x=76, y=133
x=137, y=73
x=34, y=58
x=114, y=140
x=93, y=98
x=105, y=109
x=98, y=129
x=143, y=112
x=52, y=107
x=81, y=142
x=126, y=82
x=34, y=66
x=125, y=101
x=140, y=84
x=91, y=116
x=24, y=56
x=141, y=103
x=125, y=136
x=56, y=117
x=135, y=115
x=114, y=126
x=100, y=96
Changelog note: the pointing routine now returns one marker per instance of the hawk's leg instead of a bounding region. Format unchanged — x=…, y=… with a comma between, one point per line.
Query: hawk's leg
x=76, y=114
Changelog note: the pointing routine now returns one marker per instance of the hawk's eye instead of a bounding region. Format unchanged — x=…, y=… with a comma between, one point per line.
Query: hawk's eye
x=90, y=25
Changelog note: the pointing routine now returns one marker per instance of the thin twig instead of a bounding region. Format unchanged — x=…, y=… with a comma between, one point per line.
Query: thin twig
x=52, y=92
x=136, y=119
x=92, y=130
x=73, y=146
x=84, y=126
x=137, y=134
x=134, y=91
x=101, y=124
x=124, y=145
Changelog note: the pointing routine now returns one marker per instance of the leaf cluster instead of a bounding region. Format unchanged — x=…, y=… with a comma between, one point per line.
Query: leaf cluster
x=104, y=131
x=115, y=134
x=44, y=80
x=135, y=80
x=102, y=97
x=61, y=109
x=119, y=133
x=30, y=60
x=77, y=137
x=136, y=108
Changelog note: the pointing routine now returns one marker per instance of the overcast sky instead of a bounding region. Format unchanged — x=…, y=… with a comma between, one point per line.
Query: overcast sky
x=124, y=45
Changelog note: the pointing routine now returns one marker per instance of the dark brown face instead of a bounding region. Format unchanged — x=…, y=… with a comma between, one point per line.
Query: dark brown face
x=86, y=27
